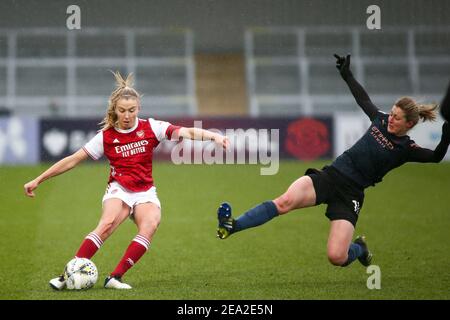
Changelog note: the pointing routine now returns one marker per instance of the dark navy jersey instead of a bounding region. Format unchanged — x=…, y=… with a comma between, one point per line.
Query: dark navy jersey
x=375, y=154
x=378, y=151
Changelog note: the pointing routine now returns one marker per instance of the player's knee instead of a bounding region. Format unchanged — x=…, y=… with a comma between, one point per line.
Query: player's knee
x=284, y=203
x=148, y=228
x=337, y=257
x=153, y=225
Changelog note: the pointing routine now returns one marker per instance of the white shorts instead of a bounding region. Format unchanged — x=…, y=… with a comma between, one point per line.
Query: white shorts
x=115, y=190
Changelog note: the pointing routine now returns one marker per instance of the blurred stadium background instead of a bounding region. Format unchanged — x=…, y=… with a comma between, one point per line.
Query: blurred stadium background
x=233, y=64
x=213, y=59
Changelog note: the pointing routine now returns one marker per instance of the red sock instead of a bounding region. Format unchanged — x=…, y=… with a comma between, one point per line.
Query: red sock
x=134, y=252
x=89, y=246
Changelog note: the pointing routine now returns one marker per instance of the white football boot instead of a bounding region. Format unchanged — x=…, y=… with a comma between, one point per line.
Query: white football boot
x=58, y=283
x=115, y=283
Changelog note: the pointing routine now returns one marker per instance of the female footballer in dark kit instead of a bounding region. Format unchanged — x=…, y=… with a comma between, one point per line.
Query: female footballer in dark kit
x=383, y=147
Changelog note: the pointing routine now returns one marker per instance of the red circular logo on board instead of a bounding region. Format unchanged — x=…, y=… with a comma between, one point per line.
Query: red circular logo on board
x=307, y=139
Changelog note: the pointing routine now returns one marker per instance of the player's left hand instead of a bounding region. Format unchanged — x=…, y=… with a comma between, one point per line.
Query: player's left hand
x=343, y=65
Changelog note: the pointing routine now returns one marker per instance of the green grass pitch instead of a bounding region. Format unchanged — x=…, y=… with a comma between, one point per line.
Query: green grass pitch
x=406, y=219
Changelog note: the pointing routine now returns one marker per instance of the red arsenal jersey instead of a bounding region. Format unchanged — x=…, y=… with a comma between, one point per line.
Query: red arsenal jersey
x=130, y=152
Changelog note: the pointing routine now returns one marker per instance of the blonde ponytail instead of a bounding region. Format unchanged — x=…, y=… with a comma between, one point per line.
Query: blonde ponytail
x=428, y=112
x=124, y=89
x=415, y=111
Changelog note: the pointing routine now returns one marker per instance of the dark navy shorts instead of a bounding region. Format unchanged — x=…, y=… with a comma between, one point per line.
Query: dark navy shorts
x=343, y=196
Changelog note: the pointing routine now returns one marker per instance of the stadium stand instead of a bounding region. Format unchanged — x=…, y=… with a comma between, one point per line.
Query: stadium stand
x=51, y=72
x=289, y=70
x=285, y=70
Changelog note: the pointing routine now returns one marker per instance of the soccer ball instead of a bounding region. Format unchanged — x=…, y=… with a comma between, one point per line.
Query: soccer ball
x=80, y=273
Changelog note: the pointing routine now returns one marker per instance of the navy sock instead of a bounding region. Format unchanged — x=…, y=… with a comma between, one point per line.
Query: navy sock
x=256, y=216
x=354, y=252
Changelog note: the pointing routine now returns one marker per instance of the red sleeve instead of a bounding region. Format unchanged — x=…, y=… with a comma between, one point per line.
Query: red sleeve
x=170, y=130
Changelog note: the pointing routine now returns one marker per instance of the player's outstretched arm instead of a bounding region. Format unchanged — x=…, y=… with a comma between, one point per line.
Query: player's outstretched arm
x=201, y=134
x=424, y=155
x=441, y=149
x=59, y=167
x=358, y=92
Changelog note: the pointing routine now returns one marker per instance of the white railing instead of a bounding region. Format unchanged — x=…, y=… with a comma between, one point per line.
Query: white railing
x=129, y=50
x=405, y=53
